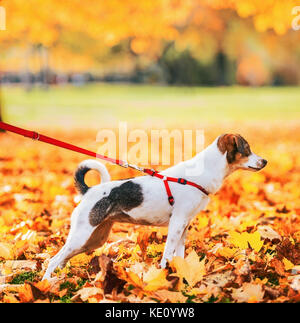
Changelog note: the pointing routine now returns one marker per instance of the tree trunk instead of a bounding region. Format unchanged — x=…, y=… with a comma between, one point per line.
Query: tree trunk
x=44, y=54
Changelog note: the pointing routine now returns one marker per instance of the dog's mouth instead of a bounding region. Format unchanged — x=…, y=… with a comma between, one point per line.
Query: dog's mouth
x=255, y=168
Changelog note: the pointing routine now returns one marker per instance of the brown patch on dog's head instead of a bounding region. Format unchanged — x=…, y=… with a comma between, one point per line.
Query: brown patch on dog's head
x=236, y=146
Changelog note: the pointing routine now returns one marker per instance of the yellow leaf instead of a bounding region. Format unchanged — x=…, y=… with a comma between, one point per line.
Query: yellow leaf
x=155, y=249
x=227, y=252
x=80, y=260
x=202, y=222
x=261, y=281
x=191, y=268
x=244, y=240
x=156, y=279
x=287, y=264
x=255, y=241
x=134, y=279
x=10, y=299
x=244, y=225
x=6, y=251
x=249, y=187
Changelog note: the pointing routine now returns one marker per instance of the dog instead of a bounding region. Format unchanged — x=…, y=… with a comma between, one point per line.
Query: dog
x=143, y=200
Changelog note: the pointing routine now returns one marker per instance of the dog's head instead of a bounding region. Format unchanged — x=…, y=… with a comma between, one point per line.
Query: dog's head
x=239, y=154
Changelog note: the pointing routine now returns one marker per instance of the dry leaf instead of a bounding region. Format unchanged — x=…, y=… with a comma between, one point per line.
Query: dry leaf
x=167, y=296
x=25, y=294
x=191, y=268
x=287, y=264
x=6, y=251
x=245, y=240
x=155, y=279
x=87, y=292
x=249, y=292
x=267, y=232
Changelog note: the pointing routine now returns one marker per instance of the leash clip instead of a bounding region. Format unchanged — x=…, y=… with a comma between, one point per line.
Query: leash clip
x=153, y=172
x=182, y=181
x=36, y=136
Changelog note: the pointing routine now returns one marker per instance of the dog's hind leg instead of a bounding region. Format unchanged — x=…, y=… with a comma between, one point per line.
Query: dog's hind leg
x=82, y=238
x=60, y=260
x=74, y=245
x=77, y=242
x=99, y=235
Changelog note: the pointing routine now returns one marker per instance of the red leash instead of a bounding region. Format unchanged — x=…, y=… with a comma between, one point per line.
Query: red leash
x=36, y=136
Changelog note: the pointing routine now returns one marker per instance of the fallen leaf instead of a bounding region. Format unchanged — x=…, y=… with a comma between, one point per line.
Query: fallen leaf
x=278, y=266
x=25, y=294
x=10, y=299
x=155, y=279
x=227, y=252
x=191, y=268
x=267, y=232
x=167, y=296
x=87, y=292
x=249, y=292
x=295, y=285
x=5, y=251
x=287, y=264
x=244, y=240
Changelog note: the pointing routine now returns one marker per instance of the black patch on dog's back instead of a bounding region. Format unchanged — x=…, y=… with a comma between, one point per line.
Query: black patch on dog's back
x=122, y=198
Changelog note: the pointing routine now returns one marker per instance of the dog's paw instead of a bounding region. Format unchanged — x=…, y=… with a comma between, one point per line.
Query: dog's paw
x=46, y=277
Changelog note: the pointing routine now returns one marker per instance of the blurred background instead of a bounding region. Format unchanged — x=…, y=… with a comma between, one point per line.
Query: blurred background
x=186, y=42
x=103, y=61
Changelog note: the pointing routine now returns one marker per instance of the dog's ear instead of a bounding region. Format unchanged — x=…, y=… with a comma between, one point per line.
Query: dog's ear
x=234, y=145
x=242, y=145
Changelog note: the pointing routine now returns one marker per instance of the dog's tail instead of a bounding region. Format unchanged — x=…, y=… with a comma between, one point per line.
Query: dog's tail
x=83, y=168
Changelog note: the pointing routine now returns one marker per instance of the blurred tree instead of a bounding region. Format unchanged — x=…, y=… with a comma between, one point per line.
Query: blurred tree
x=126, y=35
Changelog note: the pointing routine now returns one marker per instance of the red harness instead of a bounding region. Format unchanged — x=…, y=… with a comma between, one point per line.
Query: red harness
x=167, y=179
x=36, y=136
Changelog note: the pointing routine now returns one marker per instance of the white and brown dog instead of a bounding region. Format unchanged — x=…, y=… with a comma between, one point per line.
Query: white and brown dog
x=143, y=200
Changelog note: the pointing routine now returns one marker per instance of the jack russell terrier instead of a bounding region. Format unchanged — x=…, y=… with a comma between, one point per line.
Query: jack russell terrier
x=143, y=200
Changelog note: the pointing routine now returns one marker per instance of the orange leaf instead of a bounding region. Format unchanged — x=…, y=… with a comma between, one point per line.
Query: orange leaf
x=25, y=294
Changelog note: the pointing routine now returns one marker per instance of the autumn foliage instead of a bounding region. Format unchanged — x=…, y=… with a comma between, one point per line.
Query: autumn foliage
x=244, y=248
x=121, y=36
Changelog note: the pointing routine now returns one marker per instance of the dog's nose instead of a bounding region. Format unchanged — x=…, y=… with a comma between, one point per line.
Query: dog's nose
x=264, y=162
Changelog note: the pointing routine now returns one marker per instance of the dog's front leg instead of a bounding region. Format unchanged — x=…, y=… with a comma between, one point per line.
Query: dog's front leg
x=180, y=249
x=177, y=227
